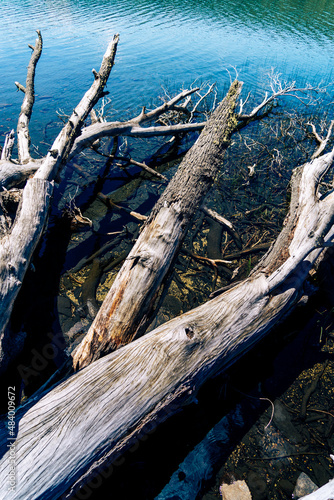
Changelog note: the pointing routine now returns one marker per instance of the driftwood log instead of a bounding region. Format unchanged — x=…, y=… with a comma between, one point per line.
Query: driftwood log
x=19, y=244
x=126, y=310
x=70, y=436
x=19, y=241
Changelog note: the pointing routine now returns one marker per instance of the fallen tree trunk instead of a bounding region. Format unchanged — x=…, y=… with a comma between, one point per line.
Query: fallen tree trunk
x=126, y=310
x=74, y=138
x=326, y=492
x=71, y=435
x=18, y=245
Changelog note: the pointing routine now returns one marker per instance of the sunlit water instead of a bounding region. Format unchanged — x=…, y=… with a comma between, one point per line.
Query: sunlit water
x=163, y=43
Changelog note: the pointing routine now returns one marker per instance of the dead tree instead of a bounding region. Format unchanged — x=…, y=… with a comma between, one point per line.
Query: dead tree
x=130, y=391
x=70, y=435
x=19, y=240
x=18, y=245
x=126, y=309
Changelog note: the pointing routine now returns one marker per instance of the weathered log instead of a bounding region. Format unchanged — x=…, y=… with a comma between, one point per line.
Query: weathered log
x=326, y=492
x=16, y=250
x=70, y=435
x=18, y=246
x=126, y=310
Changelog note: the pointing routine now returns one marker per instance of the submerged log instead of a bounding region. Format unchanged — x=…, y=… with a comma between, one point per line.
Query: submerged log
x=125, y=312
x=71, y=435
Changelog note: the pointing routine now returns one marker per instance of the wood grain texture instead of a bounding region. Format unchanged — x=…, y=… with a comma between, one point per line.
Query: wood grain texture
x=67, y=435
x=126, y=309
x=18, y=245
x=16, y=250
x=326, y=492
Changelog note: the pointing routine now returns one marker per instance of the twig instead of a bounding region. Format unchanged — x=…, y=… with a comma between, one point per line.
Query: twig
x=227, y=225
x=272, y=411
x=107, y=201
x=310, y=390
x=322, y=141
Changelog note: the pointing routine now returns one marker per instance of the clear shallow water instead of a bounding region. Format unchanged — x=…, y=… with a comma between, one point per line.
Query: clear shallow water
x=168, y=43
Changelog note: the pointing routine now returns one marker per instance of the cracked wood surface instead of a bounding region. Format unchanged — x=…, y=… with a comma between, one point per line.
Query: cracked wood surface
x=18, y=245
x=69, y=435
x=127, y=307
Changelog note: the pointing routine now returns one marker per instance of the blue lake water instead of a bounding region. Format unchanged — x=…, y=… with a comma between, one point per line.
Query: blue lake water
x=162, y=43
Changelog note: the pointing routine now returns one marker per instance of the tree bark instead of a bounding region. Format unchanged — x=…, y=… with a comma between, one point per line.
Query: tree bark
x=126, y=394
x=126, y=310
x=19, y=244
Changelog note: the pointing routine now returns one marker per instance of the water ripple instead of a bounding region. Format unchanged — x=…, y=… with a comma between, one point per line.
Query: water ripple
x=163, y=41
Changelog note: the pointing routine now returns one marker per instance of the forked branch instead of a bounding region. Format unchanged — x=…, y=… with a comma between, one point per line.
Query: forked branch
x=278, y=89
x=320, y=140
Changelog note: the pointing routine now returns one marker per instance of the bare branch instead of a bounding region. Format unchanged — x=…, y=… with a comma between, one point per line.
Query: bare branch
x=111, y=129
x=147, y=168
x=321, y=141
x=17, y=248
x=23, y=136
x=209, y=91
x=20, y=87
x=227, y=225
x=279, y=89
x=58, y=154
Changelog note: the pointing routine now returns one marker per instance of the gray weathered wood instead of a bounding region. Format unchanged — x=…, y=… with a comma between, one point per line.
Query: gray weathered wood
x=18, y=245
x=66, y=436
x=7, y=149
x=326, y=492
x=126, y=309
x=23, y=136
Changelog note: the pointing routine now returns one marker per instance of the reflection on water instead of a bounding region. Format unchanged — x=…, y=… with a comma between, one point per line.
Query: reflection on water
x=162, y=42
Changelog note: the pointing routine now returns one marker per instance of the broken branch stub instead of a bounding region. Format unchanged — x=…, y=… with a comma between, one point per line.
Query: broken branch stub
x=126, y=309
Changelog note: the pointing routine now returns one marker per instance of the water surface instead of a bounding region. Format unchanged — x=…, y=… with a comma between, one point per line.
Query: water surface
x=163, y=43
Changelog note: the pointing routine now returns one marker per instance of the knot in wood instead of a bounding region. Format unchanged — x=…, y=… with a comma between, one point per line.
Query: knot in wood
x=189, y=332
x=54, y=153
